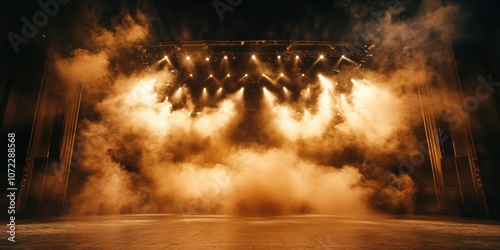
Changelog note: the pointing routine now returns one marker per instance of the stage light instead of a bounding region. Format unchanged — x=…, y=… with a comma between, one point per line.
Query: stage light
x=282, y=74
x=207, y=59
x=246, y=75
x=225, y=57
x=279, y=57
x=321, y=57
x=319, y=75
x=165, y=58
x=303, y=75
x=297, y=57
x=343, y=56
x=228, y=75
x=268, y=97
x=188, y=58
x=287, y=94
x=190, y=75
x=308, y=90
x=211, y=76
x=253, y=57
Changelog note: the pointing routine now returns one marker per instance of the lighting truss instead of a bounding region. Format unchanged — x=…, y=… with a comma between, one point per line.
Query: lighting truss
x=149, y=53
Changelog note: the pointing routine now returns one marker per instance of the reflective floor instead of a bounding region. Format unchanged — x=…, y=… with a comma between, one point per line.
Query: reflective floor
x=221, y=232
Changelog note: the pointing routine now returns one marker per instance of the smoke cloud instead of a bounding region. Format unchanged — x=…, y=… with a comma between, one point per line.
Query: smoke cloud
x=328, y=152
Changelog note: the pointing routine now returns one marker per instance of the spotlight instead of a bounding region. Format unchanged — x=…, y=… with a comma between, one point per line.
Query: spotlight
x=225, y=57
x=188, y=58
x=166, y=58
x=297, y=57
x=207, y=59
x=282, y=74
x=190, y=75
x=228, y=75
x=343, y=56
x=279, y=57
x=370, y=47
x=321, y=57
x=253, y=57
x=220, y=89
x=246, y=75
x=320, y=75
x=303, y=75
x=211, y=75
x=264, y=75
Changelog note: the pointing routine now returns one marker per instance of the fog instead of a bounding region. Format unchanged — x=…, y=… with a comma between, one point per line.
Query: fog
x=328, y=152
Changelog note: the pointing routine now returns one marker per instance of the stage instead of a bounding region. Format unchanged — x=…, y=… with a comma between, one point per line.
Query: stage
x=283, y=232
